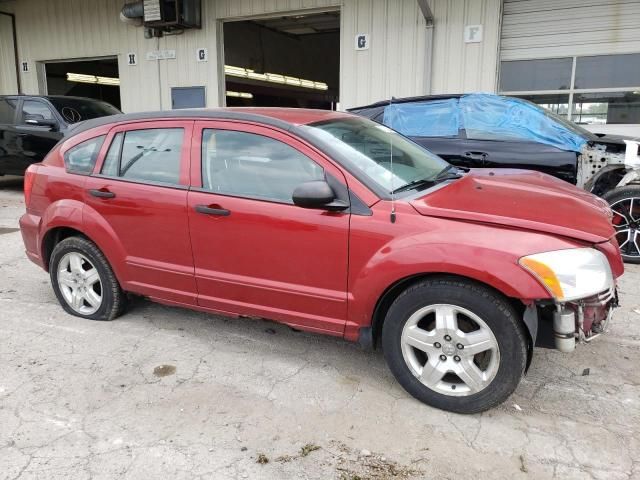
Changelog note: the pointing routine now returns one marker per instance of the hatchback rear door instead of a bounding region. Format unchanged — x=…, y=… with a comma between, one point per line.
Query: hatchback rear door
x=255, y=252
x=140, y=189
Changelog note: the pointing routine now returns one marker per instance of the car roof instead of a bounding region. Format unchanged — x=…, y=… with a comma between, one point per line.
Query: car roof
x=284, y=118
x=423, y=98
x=24, y=95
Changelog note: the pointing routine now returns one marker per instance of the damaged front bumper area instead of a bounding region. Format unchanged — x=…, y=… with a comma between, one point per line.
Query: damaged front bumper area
x=578, y=321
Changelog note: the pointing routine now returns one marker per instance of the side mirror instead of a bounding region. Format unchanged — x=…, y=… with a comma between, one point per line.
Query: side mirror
x=318, y=194
x=38, y=120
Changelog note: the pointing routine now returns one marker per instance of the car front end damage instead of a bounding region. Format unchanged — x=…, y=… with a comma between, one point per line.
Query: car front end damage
x=582, y=284
x=582, y=320
x=609, y=164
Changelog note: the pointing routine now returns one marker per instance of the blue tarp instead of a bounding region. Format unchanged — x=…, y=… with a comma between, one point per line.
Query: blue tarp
x=438, y=118
x=483, y=117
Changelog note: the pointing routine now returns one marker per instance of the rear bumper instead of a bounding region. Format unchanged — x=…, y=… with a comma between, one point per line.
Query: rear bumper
x=30, y=229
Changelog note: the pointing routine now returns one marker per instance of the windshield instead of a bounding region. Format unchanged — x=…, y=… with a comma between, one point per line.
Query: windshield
x=373, y=148
x=568, y=124
x=75, y=110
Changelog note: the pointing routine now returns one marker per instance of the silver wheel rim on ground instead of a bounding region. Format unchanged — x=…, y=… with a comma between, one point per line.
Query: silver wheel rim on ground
x=79, y=283
x=626, y=221
x=450, y=350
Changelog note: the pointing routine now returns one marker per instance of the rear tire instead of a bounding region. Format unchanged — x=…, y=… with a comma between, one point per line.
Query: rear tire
x=455, y=345
x=84, y=282
x=625, y=203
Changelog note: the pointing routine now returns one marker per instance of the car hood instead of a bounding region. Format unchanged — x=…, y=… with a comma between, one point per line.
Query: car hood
x=521, y=199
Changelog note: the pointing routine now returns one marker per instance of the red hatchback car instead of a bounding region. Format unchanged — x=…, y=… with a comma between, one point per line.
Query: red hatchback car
x=330, y=223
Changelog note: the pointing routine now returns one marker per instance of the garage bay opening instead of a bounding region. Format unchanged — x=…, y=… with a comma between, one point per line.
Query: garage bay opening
x=285, y=61
x=95, y=78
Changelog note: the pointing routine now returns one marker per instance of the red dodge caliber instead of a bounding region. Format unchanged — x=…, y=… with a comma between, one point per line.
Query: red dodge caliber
x=330, y=223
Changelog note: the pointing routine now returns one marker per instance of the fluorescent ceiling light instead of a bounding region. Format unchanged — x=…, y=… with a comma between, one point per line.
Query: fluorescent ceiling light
x=82, y=78
x=231, y=93
x=273, y=78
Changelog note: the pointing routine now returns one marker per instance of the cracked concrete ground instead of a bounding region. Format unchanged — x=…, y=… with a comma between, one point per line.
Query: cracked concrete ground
x=80, y=399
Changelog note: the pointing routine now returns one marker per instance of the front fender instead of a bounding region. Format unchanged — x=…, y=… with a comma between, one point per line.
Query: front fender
x=483, y=253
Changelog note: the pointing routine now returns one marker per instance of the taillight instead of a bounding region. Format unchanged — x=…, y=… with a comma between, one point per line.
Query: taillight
x=29, y=178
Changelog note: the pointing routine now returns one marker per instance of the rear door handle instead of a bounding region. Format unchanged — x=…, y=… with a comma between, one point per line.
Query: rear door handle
x=222, y=212
x=101, y=193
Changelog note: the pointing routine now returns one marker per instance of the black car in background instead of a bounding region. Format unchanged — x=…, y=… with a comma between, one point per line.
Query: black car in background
x=31, y=125
x=493, y=131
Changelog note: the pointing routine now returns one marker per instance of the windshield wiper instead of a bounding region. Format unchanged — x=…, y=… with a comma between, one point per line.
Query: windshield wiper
x=413, y=184
x=447, y=174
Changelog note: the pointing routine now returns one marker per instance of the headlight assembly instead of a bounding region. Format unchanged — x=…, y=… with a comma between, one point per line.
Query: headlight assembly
x=571, y=274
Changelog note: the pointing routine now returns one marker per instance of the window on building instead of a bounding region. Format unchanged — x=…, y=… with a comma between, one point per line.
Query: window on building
x=151, y=155
x=604, y=88
x=82, y=157
x=254, y=166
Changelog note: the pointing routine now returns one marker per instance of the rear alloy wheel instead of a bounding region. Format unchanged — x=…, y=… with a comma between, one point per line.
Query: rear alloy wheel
x=625, y=203
x=455, y=345
x=83, y=281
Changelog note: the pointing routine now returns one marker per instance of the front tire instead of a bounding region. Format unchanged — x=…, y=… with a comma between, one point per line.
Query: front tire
x=625, y=203
x=455, y=345
x=83, y=280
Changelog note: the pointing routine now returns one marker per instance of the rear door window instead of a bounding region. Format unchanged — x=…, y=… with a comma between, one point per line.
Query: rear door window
x=82, y=157
x=149, y=155
x=7, y=111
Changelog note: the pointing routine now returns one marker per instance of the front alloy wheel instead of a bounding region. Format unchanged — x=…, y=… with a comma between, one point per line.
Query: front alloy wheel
x=455, y=344
x=450, y=349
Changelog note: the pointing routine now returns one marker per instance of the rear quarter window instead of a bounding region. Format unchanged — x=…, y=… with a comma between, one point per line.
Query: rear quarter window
x=82, y=158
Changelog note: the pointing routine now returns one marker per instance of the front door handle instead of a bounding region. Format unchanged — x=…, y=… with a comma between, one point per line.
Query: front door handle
x=101, y=193
x=222, y=212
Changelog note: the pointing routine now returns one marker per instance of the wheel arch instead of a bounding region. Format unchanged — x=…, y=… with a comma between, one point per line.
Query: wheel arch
x=606, y=179
x=370, y=337
x=67, y=219
x=55, y=235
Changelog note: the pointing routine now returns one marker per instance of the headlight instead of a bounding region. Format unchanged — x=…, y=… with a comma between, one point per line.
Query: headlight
x=571, y=274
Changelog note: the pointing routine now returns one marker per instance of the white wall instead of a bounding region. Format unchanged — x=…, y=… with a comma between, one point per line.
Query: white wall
x=394, y=65
x=460, y=67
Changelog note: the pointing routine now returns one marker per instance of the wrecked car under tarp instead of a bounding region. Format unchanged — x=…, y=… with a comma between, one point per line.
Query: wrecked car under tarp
x=483, y=130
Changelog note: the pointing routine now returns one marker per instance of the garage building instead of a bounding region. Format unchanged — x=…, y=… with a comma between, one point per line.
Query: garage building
x=579, y=58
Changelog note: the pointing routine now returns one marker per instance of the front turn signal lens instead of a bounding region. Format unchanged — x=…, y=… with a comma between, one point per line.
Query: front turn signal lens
x=545, y=275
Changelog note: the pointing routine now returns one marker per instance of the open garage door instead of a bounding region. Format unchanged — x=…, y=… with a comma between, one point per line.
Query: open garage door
x=91, y=78
x=284, y=61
